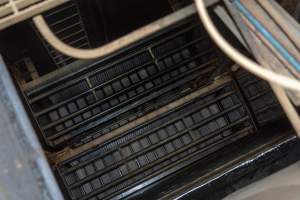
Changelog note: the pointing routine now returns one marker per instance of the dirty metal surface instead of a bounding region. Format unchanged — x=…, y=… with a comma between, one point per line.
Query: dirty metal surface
x=25, y=173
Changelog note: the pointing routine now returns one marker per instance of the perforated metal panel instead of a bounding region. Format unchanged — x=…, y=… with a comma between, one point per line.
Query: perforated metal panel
x=260, y=96
x=66, y=23
x=115, y=93
x=158, y=148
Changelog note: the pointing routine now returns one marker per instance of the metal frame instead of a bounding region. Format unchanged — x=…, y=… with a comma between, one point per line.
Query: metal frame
x=272, y=49
x=69, y=153
x=12, y=12
x=80, y=162
x=98, y=52
x=114, y=47
x=245, y=163
x=25, y=173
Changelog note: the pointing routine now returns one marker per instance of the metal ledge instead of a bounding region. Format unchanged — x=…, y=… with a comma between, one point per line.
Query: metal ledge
x=138, y=34
x=251, y=163
x=25, y=173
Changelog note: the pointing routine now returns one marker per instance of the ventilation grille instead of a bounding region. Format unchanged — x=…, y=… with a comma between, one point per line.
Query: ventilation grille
x=66, y=23
x=14, y=11
x=136, y=83
x=158, y=148
x=262, y=100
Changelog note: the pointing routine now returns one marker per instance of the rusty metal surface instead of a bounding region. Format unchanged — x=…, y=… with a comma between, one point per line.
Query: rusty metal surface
x=69, y=153
x=201, y=139
x=118, y=44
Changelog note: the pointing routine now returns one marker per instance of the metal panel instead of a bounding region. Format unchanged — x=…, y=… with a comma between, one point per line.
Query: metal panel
x=14, y=11
x=261, y=98
x=138, y=81
x=252, y=160
x=158, y=148
x=66, y=22
x=25, y=173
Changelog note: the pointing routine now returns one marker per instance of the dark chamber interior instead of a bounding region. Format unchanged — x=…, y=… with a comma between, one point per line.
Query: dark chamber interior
x=164, y=111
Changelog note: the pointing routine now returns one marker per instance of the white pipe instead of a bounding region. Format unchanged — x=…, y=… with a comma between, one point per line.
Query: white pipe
x=113, y=46
x=287, y=107
x=277, y=81
x=241, y=59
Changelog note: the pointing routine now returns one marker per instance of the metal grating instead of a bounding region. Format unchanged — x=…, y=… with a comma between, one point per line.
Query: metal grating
x=158, y=148
x=66, y=23
x=14, y=11
x=25, y=71
x=111, y=95
x=262, y=100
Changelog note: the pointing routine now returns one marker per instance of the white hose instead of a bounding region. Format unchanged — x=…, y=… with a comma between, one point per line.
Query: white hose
x=241, y=59
x=68, y=50
x=275, y=79
x=113, y=46
x=287, y=107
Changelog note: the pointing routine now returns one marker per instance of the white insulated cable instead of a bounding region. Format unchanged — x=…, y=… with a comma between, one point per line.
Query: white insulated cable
x=113, y=46
x=287, y=106
x=276, y=80
x=239, y=58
